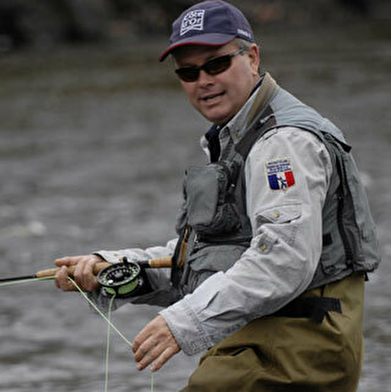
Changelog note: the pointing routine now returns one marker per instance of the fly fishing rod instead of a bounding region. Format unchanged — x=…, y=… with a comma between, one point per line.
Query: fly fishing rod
x=122, y=279
x=50, y=273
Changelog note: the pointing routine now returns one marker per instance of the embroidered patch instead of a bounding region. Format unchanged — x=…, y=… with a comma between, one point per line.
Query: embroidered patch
x=280, y=174
x=193, y=20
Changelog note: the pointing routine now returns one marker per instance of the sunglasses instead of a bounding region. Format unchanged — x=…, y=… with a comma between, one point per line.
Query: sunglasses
x=211, y=67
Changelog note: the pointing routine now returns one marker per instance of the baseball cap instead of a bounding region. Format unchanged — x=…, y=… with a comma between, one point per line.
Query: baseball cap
x=212, y=23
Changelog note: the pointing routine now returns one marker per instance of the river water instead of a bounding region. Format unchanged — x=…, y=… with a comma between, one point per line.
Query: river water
x=93, y=142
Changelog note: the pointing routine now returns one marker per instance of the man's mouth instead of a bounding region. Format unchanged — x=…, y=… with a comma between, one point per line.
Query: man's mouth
x=211, y=97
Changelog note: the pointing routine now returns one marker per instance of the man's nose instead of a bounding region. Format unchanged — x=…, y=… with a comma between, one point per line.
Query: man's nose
x=204, y=78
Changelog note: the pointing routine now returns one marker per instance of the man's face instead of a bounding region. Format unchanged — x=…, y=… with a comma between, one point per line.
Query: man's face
x=219, y=97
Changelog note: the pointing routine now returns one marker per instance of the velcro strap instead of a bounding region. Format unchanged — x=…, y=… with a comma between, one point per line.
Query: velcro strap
x=314, y=308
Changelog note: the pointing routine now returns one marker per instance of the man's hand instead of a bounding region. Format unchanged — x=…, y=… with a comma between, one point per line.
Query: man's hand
x=155, y=343
x=83, y=274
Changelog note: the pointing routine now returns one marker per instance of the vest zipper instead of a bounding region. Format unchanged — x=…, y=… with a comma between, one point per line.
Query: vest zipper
x=341, y=226
x=341, y=207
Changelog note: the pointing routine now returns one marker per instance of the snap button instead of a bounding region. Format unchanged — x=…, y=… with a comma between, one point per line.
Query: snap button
x=276, y=214
x=263, y=247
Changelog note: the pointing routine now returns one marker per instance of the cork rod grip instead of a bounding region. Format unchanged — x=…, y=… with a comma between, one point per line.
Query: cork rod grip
x=71, y=269
x=164, y=262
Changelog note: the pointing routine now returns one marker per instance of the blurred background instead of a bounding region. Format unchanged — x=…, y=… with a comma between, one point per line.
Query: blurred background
x=95, y=135
x=49, y=23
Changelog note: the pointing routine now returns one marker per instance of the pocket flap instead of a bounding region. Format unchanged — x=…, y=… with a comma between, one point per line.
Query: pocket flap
x=279, y=214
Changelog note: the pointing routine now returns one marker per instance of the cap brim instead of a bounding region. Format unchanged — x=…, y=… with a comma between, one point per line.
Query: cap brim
x=202, y=39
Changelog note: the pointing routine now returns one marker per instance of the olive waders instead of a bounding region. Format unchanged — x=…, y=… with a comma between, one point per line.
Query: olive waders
x=281, y=354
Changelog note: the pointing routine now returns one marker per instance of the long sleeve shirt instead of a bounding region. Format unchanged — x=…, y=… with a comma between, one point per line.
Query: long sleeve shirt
x=284, y=252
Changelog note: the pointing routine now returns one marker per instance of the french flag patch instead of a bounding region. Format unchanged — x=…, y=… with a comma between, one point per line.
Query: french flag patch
x=280, y=174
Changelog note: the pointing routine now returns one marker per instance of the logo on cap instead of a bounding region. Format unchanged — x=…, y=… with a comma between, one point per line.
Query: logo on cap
x=193, y=20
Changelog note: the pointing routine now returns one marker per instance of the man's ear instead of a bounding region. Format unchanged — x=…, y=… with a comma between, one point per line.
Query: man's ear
x=253, y=54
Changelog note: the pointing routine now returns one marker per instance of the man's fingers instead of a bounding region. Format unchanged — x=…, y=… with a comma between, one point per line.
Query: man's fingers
x=141, y=346
x=83, y=273
x=154, y=344
x=147, y=355
x=139, y=340
x=163, y=358
x=158, y=354
x=62, y=281
x=67, y=261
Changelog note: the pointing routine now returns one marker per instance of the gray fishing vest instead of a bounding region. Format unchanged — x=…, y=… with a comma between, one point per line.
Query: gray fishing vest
x=213, y=221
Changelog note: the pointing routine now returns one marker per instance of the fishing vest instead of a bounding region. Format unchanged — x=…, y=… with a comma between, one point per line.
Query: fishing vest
x=213, y=225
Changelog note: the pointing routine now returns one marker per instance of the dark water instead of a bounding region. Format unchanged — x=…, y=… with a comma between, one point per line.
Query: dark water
x=92, y=148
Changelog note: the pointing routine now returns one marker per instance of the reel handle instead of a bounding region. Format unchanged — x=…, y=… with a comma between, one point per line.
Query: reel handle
x=71, y=269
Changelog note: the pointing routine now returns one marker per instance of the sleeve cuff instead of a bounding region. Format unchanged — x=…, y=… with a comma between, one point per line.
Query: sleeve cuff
x=111, y=256
x=186, y=328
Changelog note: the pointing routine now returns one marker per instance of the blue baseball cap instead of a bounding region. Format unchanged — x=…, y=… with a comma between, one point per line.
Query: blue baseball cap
x=211, y=23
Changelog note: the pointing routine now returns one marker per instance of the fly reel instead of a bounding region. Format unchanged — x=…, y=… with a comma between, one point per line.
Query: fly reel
x=123, y=279
x=128, y=278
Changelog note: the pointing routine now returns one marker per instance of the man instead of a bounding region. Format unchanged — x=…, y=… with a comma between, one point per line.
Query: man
x=275, y=233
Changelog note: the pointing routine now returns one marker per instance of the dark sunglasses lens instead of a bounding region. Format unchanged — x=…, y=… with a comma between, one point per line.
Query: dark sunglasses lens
x=216, y=66
x=212, y=67
x=188, y=74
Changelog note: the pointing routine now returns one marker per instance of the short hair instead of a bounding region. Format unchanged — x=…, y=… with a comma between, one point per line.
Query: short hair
x=242, y=43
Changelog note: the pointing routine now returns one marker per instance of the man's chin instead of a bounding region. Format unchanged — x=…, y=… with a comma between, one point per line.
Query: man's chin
x=216, y=117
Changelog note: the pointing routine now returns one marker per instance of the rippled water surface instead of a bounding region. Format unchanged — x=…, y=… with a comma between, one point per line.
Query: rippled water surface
x=93, y=143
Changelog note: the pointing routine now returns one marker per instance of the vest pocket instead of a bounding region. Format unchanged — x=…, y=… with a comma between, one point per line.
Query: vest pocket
x=209, y=194
x=211, y=259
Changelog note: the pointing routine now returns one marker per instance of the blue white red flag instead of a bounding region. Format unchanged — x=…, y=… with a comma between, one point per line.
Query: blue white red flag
x=280, y=173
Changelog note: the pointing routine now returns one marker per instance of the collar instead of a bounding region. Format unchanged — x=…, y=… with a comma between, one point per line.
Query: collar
x=239, y=125
x=215, y=129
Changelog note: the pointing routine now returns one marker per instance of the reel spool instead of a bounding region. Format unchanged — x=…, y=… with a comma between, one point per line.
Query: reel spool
x=122, y=279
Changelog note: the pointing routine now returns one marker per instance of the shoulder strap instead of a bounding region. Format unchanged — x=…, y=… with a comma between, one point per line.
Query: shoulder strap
x=257, y=130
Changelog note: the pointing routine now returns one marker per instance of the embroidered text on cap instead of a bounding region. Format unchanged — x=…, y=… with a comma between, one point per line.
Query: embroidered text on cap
x=193, y=20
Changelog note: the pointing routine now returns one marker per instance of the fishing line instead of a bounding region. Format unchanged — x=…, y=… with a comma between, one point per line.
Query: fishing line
x=108, y=344
x=107, y=318
x=109, y=326
x=101, y=313
x=12, y=283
